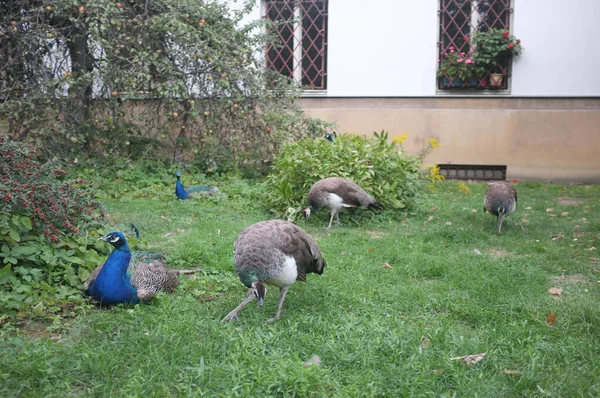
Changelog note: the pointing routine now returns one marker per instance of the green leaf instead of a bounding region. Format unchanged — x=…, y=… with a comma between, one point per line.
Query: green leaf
x=14, y=234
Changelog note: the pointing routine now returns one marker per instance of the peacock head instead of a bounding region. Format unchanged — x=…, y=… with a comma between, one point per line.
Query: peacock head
x=306, y=213
x=178, y=174
x=259, y=290
x=117, y=239
x=330, y=137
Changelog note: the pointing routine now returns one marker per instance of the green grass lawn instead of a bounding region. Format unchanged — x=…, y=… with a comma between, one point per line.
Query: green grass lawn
x=455, y=287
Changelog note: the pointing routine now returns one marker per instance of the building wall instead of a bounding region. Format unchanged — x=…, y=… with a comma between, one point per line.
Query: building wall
x=381, y=76
x=550, y=140
x=388, y=48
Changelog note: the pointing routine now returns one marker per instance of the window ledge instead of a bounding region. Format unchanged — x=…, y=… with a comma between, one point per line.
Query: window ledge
x=313, y=93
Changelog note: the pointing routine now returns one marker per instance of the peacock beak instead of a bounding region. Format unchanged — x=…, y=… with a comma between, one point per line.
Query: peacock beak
x=104, y=238
x=260, y=302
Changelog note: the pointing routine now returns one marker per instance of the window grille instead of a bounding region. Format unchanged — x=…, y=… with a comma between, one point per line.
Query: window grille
x=459, y=19
x=300, y=50
x=473, y=172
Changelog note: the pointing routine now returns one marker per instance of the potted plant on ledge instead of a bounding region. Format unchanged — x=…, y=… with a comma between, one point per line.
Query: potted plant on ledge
x=457, y=69
x=493, y=49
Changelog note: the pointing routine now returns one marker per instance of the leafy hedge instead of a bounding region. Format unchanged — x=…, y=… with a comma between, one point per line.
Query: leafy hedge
x=380, y=168
x=48, y=230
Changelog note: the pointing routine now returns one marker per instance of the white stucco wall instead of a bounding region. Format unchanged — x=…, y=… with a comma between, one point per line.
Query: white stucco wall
x=389, y=48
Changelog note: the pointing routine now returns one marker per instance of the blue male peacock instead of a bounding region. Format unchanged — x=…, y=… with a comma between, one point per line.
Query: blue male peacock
x=330, y=137
x=183, y=193
x=128, y=278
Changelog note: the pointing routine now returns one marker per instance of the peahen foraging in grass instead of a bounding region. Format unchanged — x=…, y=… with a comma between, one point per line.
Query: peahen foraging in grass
x=129, y=278
x=500, y=200
x=183, y=193
x=277, y=253
x=336, y=193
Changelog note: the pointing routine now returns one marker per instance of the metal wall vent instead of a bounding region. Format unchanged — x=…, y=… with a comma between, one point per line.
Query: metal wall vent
x=472, y=172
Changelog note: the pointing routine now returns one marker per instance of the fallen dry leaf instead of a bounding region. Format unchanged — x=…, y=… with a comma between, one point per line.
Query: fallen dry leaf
x=386, y=265
x=551, y=319
x=168, y=234
x=557, y=237
x=528, y=208
x=429, y=218
x=552, y=215
x=448, y=222
x=476, y=251
x=549, y=210
x=434, y=208
x=592, y=248
x=564, y=213
x=474, y=211
x=437, y=371
x=371, y=249
x=511, y=372
x=555, y=291
x=425, y=342
x=524, y=220
x=470, y=359
x=314, y=361
x=164, y=218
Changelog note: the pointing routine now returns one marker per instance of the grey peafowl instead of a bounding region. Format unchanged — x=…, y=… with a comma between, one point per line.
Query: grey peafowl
x=129, y=278
x=336, y=193
x=277, y=253
x=500, y=200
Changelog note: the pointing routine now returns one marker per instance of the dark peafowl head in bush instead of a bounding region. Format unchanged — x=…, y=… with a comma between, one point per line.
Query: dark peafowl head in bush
x=330, y=136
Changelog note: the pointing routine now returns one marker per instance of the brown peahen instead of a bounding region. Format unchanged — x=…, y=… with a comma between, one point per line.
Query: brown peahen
x=500, y=200
x=277, y=253
x=336, y=193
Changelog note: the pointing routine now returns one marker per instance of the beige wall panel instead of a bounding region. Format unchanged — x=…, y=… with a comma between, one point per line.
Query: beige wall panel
x=538, y=139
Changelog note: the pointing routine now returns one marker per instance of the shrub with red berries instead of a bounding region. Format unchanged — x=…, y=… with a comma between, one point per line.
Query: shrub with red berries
x=56, y=207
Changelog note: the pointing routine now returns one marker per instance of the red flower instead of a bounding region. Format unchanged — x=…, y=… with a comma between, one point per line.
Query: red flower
x=510, y=46
x=466, y=37
x=505, y=35
x=515, y=181
x=518, y=41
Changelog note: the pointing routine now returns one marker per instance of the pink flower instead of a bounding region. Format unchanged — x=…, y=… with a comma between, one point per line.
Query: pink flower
x=451, y=50
x=438, y=60
x=459, y=60
x=462, y=53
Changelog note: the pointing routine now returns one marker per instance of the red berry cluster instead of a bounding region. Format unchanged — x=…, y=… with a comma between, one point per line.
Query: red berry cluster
x=55, y=207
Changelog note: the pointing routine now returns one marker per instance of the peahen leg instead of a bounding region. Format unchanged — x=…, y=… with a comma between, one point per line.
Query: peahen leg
x=333, y=212
x=233, y=314
x=337, y=217
x=499, y=223
x=282, y=293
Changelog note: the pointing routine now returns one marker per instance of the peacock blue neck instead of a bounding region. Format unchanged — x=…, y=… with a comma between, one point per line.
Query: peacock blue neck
x=249, y=276
x=113, y=284
x=180, y=190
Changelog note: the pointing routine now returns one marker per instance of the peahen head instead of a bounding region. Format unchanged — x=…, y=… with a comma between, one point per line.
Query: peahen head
x=306, y=213
x=259, y=290
x=117, y=239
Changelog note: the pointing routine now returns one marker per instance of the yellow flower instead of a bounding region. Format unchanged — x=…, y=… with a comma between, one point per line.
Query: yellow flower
x=434, y=143
x=400, y=138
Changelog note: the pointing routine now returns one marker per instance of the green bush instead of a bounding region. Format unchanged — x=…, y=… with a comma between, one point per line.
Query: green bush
x=177, y=80
x=47, y=230
x=380, y=168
